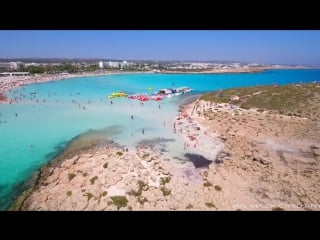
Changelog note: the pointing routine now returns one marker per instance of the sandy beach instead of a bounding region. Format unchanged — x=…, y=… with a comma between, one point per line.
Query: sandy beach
x=241, y=159
x=8, y=83
x=11, y=82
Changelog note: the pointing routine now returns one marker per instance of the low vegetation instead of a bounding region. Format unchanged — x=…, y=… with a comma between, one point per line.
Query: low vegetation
x=71, y=176
x=119, y=153
x=277, y=209
x=291, y=100
x=217, y=188
x=210, y=205
x=105, y=165
x=69, y=193
x=92, y=180
x=119, y=201
x=189, y=206
x=164, y=180
x=89, y=196
x=207, y=184
x=142, y=186
x=165, y=191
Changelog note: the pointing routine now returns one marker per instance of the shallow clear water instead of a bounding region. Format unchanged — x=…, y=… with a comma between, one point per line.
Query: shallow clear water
x=47, y=116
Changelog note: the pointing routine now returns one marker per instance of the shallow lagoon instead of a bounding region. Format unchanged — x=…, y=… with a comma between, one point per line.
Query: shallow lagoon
x=49, y=115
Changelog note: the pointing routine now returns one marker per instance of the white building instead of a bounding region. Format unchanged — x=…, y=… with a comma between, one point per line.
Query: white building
x=113, y=64
x=15, y=74
x=15, y=65
x=11, y=65
x=101, y=65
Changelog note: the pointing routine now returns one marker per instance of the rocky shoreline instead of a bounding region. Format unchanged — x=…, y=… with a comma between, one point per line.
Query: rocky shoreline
x=88, y=142
x=252, y=160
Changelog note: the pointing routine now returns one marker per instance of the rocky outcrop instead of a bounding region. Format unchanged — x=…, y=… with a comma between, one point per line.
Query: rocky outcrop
x=260, y=161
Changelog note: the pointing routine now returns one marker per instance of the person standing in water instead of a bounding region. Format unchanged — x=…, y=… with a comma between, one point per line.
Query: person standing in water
x=131, y=117
x=143, y=131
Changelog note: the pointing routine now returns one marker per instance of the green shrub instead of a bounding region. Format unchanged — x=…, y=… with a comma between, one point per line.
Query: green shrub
x=119, y=201
x=92, y=180
x=277, y=209
x=189, y=206
x=142, y=186
x=207, y=184
x=164, y=180
x=119, y=153
x=217, y=188
x=71, y=176
x=89, y=196
x=105, y=165
x=210, y=205
x=69, y=193
x=165, y=191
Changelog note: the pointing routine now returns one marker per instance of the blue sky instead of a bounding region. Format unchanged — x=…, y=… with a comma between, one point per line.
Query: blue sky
x=277, y=47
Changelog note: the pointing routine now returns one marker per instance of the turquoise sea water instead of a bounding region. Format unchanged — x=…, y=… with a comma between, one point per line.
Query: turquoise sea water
x=48, y=115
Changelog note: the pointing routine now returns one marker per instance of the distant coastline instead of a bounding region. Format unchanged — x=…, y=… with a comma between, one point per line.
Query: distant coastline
x=8, y=83
x=234, y=70
x=218, y=71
